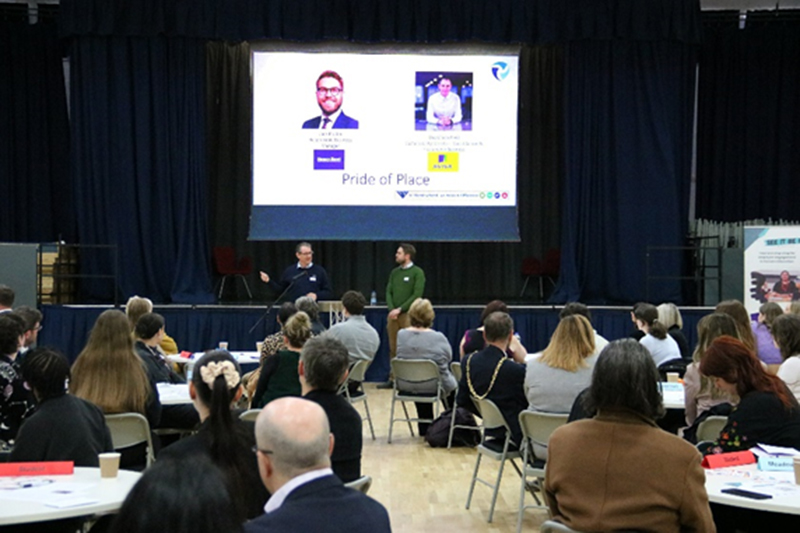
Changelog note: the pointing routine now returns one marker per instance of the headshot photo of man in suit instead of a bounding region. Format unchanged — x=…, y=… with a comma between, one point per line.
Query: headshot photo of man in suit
x=330, y=93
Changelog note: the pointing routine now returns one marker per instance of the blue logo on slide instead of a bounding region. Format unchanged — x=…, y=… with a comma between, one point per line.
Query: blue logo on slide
x=500, y=70
x=328, y=159
x=402, y=193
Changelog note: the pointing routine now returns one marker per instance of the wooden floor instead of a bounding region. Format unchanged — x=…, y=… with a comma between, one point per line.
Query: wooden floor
x=425, y=489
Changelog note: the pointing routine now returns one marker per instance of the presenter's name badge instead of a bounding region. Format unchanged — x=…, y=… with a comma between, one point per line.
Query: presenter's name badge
x=312, y=278
x=406, y=279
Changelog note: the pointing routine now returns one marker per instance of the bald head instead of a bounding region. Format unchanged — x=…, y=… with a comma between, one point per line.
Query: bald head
x=297, y=435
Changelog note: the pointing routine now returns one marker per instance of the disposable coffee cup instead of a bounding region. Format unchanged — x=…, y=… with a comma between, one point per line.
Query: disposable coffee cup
x=259, y=346
x=223, y=345
x=797, y=470
x=109, y=464
x=673, y=377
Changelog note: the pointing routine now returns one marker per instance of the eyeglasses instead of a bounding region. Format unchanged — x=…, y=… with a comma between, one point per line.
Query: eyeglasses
x=306, y=253
x=334, y=91
x=256, y=449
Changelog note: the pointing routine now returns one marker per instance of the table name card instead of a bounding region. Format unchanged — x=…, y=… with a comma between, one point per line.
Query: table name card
x=781, y=463
x=45, y=468
x=721, y=460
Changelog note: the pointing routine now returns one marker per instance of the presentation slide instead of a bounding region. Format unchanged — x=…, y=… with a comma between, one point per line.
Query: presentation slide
x=771, y=266
x=372, y=145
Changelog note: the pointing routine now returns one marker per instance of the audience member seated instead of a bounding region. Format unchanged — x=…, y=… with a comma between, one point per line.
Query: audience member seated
x=279, y=372
x=661, y=346
x=636, y=334
x=473, y=340
x=309, y=306
x=7, y=297
x=767, y=412
x=766, y=349
x=222, y=437
x=16, y=402
x=489, y=374
x=619, y=471
x=109, y=374
x=323, y=368
x=33, y=323
x=577, y=308
x=701, y=397
x=786, y=330
x=555, y=377
x=358, y=336
x=420, y=341
x=294, y=444
x=149, y=332
x=64, y=427
x=739, y=314
x=670, y=316
x=272, y=343
x=178, y=496
x=138, y=306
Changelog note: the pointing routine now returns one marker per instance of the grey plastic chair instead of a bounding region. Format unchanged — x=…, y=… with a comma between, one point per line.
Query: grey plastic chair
x=536, y=430
x=551, y=526
x=356, y=375
x=493, y=418
x=455, y=368
x=414, y=371
x=250, y=415
x=709, y=429
x=130, y=429
x=361, y=484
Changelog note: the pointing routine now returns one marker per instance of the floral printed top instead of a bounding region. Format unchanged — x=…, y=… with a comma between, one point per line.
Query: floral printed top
x=16, y=401
x=760, y=418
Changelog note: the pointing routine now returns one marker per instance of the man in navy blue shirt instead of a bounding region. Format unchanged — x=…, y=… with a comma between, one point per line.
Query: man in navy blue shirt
x=303, y=278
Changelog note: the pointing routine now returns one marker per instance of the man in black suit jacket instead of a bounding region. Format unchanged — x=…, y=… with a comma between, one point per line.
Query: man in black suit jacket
x=294, y=446
x=330, y=93
x=490, y=374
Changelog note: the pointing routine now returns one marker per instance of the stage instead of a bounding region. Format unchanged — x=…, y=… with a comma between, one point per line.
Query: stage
x=199, y=328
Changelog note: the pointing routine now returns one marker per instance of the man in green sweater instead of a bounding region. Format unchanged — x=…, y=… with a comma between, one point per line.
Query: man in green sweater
x=406, y=284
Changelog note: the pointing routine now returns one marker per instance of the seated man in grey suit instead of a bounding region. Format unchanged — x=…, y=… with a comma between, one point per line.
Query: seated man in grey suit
x=294, y=444
x=330, y=93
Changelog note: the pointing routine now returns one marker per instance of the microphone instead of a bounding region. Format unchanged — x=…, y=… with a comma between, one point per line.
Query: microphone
x=300, y=275
x=269, y=307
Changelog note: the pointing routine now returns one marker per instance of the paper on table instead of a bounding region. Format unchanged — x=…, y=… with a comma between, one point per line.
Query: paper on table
x=51, y=492
x=70, y=501
x=769, y=449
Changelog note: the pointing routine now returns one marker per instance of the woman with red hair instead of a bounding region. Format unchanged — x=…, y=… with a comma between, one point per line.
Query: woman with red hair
x=767, y=412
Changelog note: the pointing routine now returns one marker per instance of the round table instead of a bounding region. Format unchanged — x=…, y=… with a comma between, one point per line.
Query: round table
x=100, y=496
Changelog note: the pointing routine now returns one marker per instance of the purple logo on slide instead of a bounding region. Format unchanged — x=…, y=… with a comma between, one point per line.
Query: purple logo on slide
x=328, y=159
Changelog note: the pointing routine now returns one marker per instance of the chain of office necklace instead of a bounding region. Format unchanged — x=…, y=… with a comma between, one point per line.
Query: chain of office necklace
x=491, y=383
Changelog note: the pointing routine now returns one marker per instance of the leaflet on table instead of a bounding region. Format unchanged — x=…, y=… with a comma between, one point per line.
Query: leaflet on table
x=46, y=489
x=775, y=458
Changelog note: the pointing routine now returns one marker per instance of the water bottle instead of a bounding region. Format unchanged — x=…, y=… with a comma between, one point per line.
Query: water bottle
x=373, y=298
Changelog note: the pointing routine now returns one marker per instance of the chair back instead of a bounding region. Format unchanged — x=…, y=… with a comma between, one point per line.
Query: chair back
x=414, y=370
x=130, y=429
x=359, y=370
x=709, y=428
x=455, y=369
x=224, y=259
x=552, y=262
x=551, y=526
x=250, y=415
x=491, y=415
x=537, y=427
x=531, y=266
x=361, y=484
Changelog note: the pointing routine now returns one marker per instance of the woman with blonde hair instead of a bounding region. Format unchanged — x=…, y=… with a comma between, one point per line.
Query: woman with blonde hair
x=670, y=316
x=555, y=377
x=421, y=341
x=279, y=375
x=701, y=397
x=109, y=374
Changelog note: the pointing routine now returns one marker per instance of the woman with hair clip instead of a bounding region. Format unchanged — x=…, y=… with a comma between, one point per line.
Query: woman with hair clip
x=661, y=346
x=216, y=385
x=279, y=375
x=767, y=412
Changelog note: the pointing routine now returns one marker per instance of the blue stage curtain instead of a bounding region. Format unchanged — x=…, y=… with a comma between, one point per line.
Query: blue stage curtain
x=388, y=20
x=748, y=119
x=628, y=149
x=35, y=188
x=138, y=159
